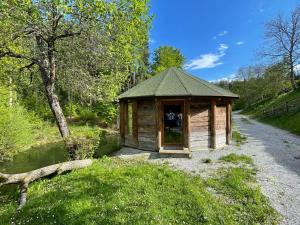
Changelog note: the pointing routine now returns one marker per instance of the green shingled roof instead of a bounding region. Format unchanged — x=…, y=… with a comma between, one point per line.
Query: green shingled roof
x=175, y=82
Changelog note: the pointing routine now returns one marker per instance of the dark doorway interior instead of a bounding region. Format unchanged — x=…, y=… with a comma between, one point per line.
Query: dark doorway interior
x=173, y=124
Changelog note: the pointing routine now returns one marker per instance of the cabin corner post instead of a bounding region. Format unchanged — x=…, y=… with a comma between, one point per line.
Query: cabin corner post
x=213, y=108
x=135, y=122
x=187, y=103
x=228, y=122
x=122, y=122
x=158, y=122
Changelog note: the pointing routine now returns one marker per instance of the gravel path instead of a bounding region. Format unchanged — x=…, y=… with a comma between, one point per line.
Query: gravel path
x=273, y=151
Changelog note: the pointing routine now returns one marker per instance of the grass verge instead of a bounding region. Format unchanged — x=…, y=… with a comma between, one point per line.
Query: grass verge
x=236, y=159
x=114, y=191
x=238, y=137
x=289, y=121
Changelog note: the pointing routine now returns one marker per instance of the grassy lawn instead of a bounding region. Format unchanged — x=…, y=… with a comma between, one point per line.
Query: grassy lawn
x=290, y=121
x=113, y=191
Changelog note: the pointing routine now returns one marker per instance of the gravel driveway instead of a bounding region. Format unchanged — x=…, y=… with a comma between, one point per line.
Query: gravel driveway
x=273, y=151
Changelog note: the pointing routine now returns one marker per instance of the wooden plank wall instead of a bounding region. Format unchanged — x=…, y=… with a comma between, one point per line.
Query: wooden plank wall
x=199, y=126
x=147, y=131
x=220, y=126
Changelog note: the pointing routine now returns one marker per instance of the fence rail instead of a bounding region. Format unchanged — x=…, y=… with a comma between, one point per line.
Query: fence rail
x=287, y=107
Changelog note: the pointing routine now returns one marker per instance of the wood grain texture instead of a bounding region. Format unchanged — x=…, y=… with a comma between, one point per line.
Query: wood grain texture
x=199, y=136
x=147, y=125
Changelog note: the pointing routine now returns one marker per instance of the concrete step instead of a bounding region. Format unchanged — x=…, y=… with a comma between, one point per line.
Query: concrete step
x=180, y=151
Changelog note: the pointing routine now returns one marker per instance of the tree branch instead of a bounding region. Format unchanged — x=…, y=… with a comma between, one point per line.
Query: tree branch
x=9, y=53
x=68, y=34
x=27, y=66
x=23, y=179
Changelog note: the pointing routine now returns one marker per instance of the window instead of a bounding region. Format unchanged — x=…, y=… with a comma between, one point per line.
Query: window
x=130, y=119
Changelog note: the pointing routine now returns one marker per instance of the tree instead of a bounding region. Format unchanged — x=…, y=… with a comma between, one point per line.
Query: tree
x=165, y=57
x=283, y=38
x=90, y=43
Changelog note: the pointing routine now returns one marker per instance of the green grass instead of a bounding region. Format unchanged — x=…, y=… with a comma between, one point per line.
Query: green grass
x=235, y=158
x=290, y=121
x=238, y=137
x=113, y=191
x=244, y=198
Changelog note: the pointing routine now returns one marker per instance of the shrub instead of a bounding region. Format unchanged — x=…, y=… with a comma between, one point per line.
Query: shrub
x=107, y=111
x=16, y=127
x=87, y=116
x=95, y=144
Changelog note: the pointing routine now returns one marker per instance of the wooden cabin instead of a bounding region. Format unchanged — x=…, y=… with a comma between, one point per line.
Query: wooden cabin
x=175, y=111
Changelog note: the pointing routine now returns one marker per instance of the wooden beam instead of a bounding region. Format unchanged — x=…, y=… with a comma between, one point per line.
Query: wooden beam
x=122, y=122
x=213, y=122
x=228, y=122
x=186, y=122
x=158, y=120
x=135, y=122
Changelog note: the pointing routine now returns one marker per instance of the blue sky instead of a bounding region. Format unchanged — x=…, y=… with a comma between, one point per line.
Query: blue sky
x=216, y=36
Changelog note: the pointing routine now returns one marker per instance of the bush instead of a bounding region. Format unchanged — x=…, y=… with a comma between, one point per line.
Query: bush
x=96, y=144
x=107, y=111
x=16, y=127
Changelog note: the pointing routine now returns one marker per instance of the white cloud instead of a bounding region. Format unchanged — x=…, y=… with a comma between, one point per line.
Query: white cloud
x=240, y=43
x=223, y=47
x=228, y=78
x=222, y=33
x=209, y=60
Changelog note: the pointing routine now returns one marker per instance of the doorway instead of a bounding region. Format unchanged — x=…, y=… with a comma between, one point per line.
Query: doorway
x=172, y=132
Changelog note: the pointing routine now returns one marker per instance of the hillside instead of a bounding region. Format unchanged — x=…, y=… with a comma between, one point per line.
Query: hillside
x=288, y=121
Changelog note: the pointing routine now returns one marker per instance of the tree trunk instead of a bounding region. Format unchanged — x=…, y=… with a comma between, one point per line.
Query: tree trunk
x=292, y=76
x=54, y=103
x=57, y=111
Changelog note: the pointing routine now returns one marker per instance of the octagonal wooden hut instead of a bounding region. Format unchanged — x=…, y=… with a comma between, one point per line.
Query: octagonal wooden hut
x=175, y=112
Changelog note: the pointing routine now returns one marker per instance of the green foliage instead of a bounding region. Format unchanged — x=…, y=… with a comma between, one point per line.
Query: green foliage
x=166, y=57
x=258, y=83
x=109, y=46
x=234, y=158
x=107, y=111
x=238, y=137
x=289, y=121
x=113, y=191
x=106, y=144
x=91, y=141
x=16, y=127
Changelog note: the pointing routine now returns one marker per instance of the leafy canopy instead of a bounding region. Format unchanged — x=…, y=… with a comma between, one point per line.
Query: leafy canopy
x=166, y=57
